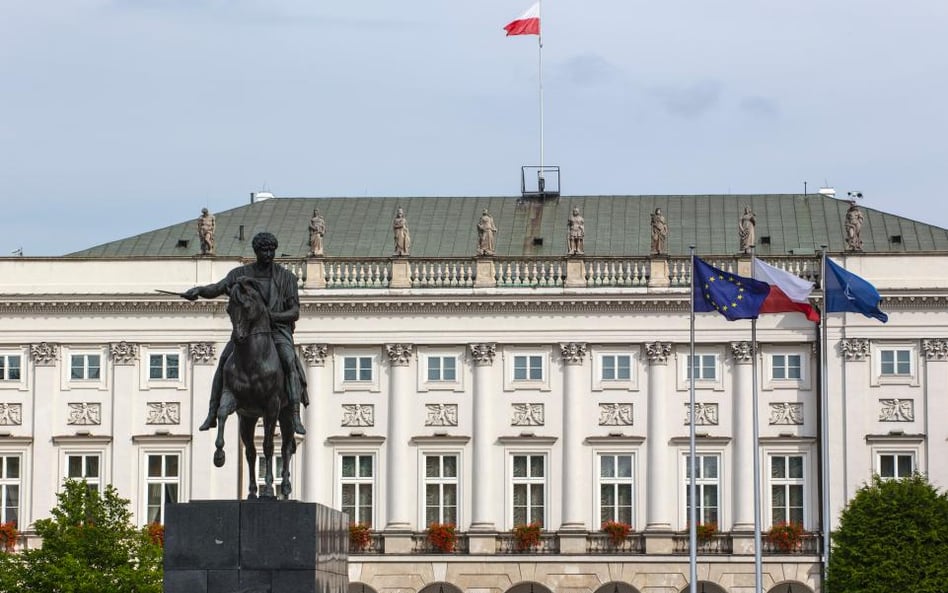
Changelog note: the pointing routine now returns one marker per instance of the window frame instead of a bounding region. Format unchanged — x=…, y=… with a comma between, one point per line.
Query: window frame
x=878, y=378
x=68, y=383
x=84, y=454
x=146, y=382
x=895, y=454
x=510, y=356
x=723, y=480
x=341, y=355
x=21, y=481
x=512, y=482
x=426, y=355
x=440, y=481
x=716, y=384
x=373, y=481
x=145, y=480
x=632, y=481
x=22, y=383
x=804, y=352
x=599, y=383
x=787, y=482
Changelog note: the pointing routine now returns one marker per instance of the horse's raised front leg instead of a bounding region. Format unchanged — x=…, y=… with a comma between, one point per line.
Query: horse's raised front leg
x=269, y=427
x=227, y=407
x=246, y=427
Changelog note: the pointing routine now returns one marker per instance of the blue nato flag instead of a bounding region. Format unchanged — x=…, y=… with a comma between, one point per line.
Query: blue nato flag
x=846, y=291
x=733, y=296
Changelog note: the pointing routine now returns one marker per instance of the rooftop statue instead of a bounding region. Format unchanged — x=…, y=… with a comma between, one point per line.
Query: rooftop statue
x=205, y=225
x=401, y=234
x=317, y=229
x=854, y=218
x=747, y=230
x=576, y=233
x=486, y=234
x=659, y=233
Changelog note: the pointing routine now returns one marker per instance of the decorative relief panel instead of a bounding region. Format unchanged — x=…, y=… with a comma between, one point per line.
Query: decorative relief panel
x=483, y=354
x=573, y=352
x=11, y=414
x=358, y=414
x=854, y=348
x=315, y=354
x=897, y=410
x=441, y=415
x=935, y=348
x=399, y=355
x=202, y=352
x=657, y=352
x=786, y=413
x=163, y=413
x=705, y=414
x=44, y=354
x=743, y=352
x=615, y=414
x=123, y=353
x=82, y=414
x=527, y=415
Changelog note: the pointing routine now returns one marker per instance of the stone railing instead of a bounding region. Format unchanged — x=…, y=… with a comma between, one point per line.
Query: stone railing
x=376, y=545
x=602, y=543
x=507, y=544
x=719, y=543
x=809, y=544
x=421, y=545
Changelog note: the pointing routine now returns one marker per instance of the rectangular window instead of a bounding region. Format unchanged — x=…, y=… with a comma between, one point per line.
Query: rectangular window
x=616, y=367
x=786, y=489
x=10, y=478
x=357, y=368
x=787, y=366
x=529, y=489
x=85, y=367
x=442, y=368
x=704, y=367
x=895, y=362
x=262, y=469
x=896, y=465
x=615, y=488
x=10, y=367
x=358, y=484
x=162, y=482
x=163, y=366
x=707, y=480
x=528, y=368
x=84, y=468
x=441, y=489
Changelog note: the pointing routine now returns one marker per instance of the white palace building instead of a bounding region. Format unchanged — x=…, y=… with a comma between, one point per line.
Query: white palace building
x=493, y=390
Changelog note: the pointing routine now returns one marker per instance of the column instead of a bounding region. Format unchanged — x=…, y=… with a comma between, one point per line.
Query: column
x=659, y=505
x=124, y=358
x=573, y=354
x=482, y=501
x=314, y=355
x=936, y=379
x=399, y=494
x=203, y=358
x=742, y=483
x=46, y=398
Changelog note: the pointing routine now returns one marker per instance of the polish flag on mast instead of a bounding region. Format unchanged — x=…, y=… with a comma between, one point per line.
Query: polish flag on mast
x=527, y=24
x=788, y=293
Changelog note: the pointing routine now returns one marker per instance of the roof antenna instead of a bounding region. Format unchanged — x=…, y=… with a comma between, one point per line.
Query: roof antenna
x=18, y=251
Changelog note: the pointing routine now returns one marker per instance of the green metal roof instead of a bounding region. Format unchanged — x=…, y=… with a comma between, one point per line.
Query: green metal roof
x=615, y=225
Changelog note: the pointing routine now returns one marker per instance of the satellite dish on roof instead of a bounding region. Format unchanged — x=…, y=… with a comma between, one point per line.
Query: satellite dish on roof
x=259, y=196
x=827, y=191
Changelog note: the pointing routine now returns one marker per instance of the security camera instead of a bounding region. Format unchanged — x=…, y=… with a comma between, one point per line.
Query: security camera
x=854, y=194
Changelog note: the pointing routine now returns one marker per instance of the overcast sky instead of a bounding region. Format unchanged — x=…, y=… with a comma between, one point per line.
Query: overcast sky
x=122, y=116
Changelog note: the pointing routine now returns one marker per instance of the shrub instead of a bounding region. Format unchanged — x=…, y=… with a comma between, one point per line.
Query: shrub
x=527, y=535
x=617, y=531
x=442, y=536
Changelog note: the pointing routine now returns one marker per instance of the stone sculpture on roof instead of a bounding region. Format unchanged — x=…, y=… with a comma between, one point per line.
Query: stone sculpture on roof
x=576, y=235
x=486, y=234
x=854, y=220
x=317, y=229
x=747, y=230
x=205, y=224
x=400, y=231
x=659, y=233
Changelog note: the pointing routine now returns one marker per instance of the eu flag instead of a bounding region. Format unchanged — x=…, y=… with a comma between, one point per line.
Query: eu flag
x=733, y=296
x=846, y=291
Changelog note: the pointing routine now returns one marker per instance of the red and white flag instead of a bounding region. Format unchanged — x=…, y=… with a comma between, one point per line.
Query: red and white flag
x=528, y=24
x=788, y=293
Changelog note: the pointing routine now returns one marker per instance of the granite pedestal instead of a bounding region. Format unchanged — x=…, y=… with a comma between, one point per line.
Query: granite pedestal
x=230, y=546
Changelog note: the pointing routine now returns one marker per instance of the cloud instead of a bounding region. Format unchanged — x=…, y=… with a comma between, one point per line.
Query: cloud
x=587, y=70
x=690, y=101
x=760, y=106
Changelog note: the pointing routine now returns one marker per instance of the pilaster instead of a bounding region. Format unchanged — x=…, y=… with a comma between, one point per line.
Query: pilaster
x=573, y=354
x=482, y=493
x=399, y=501
x=658, y=505
x=124, y=358
x=742, y=508
x=312, y=471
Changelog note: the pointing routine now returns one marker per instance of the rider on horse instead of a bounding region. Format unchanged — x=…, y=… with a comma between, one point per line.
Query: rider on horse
x=279, y=287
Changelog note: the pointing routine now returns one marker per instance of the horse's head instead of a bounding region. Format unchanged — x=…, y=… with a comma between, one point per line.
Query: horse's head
x=246, y=307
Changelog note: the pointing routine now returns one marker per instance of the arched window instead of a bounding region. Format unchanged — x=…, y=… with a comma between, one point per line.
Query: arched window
x=790, y=587
x=706, y=587
x=616, y=587
x=439, y=588
x=528, y=587
x=357, y=587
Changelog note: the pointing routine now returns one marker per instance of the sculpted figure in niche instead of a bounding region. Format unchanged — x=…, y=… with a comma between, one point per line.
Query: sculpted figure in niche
x=853, y=227
x=205, y=224
x=317, y=229
x=746, y=230
x=576, y=233
x=659, y=233
x=486, y=234
x=400, y=231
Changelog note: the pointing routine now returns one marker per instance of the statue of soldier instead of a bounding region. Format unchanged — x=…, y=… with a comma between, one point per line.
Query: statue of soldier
x=281, y=292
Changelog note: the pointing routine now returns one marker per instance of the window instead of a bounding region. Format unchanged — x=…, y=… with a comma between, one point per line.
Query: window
x=358, y=484
x=10, y=367
x=442, y=368
x=262, y=469
x=615, y=488
x=162, y=483
x=616, y=367
x=164, y=366
x=787, y=366
x=705, y=367
x=529, y=489
x=786, y=489
x=10, y=488
x=84, y=468
x=707, y=480
x=441, y=489
x=357, y=368
x=528, y=367
x=895, y=362
x=896, y=465
x=84, y=367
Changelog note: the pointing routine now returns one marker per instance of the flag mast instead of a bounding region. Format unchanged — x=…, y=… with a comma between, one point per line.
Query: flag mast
x=824, y=420
x=540, y=179
x=692, y=453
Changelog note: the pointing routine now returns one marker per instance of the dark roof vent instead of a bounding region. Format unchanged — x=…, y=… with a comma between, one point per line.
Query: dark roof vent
x=765, y=240
x=538, y=241
x=182, y=244
x=895, y=239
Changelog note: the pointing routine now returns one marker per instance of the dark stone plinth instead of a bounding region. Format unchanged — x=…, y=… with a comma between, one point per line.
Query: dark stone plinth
x=225, y=546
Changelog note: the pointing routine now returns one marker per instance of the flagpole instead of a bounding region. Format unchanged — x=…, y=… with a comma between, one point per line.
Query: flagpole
x=758, y=561
x=824, y=419
x=692, y=463
x=541, y=179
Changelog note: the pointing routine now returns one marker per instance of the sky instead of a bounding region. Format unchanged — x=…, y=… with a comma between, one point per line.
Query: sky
x=122, y=116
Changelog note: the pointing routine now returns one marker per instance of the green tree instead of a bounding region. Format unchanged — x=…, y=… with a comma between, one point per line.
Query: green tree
x=892, y=536
x=89, y=546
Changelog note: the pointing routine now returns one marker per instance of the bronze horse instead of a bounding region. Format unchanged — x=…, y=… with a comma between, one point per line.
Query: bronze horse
x=254, y=387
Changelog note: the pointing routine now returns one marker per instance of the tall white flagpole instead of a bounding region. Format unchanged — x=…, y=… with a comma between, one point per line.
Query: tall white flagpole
x=540, y=178
x=758, y=562
x=824, y=420
x=692, y=463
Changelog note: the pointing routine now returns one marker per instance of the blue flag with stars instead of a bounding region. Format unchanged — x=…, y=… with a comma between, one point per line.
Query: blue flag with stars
x=733, y=296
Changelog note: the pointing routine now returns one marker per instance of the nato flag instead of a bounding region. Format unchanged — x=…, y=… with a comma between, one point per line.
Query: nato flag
x=846, y=291
x=733, y=296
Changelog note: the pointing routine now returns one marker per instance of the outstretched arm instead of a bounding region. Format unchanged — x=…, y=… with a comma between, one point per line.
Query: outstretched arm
x=208, y=291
